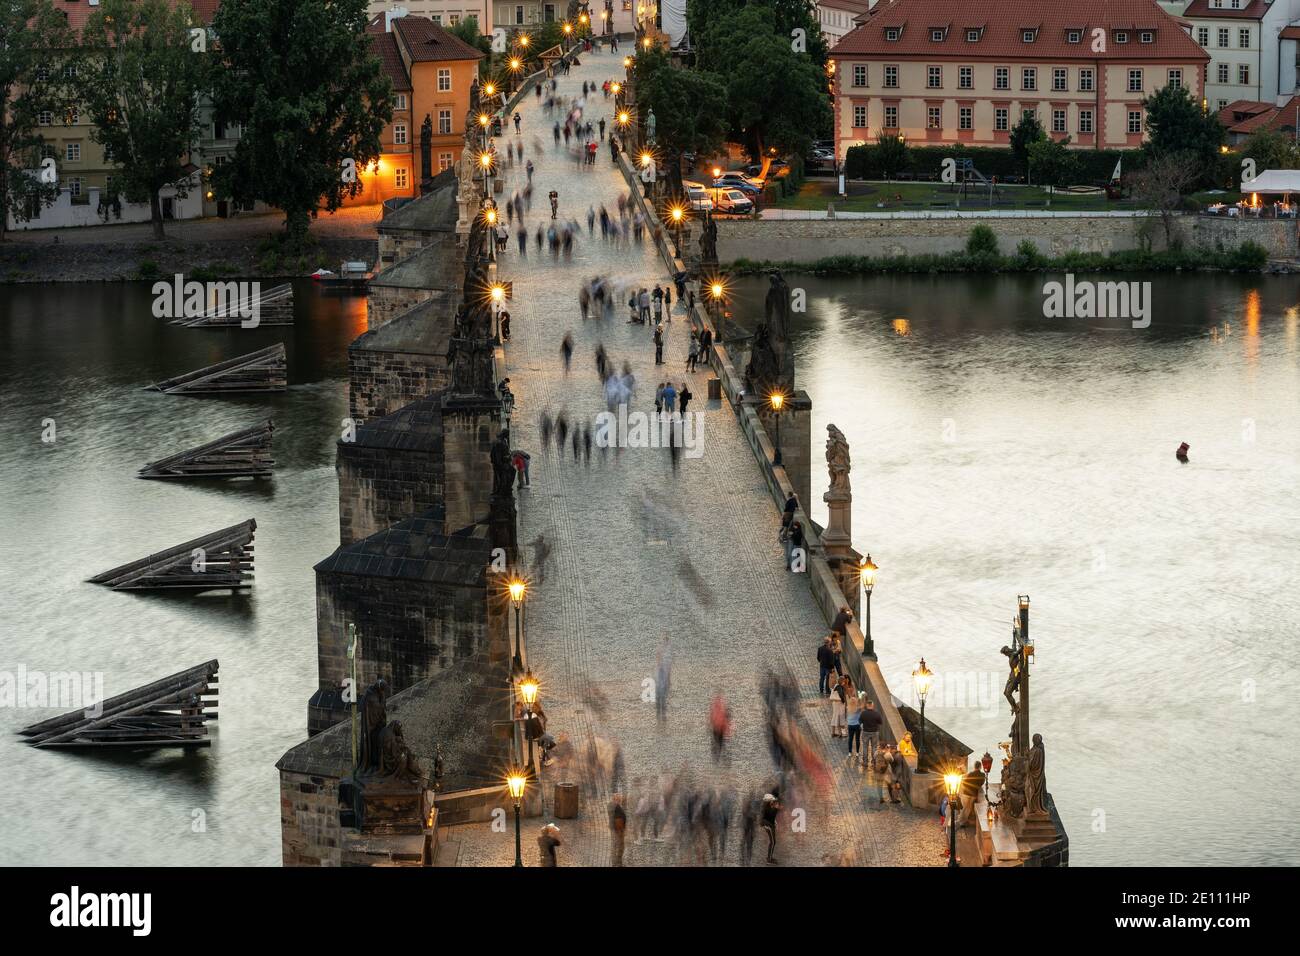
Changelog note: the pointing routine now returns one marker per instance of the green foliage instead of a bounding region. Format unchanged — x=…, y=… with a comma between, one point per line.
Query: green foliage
x=689, y=106
x=1024, y=134
x=1028, y=253
x=891, y=154
x=140, y=81
x=787, y=16
x=926, y=162
x=148, y=269
x=1176, y=125
x=467, y=30
x=983, y=241
x=1270, y=150
x=776, y=97
x=1053, y=163
x=33, y=38
x=300, y=78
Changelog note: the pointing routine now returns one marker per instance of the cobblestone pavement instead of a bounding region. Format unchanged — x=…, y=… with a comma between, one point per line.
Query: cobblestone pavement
x=643, y=550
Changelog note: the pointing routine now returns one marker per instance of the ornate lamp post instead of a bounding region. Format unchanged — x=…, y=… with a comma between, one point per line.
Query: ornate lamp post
x=922, y=680
x=677, y=215
x=568, y=33
x=987, y=763
x=498, y=293
x=516, y=782
x=867, y=572
x=777, y=401
x=952, y=784
x=528, y=691
x=518, y=591
x=515, y=64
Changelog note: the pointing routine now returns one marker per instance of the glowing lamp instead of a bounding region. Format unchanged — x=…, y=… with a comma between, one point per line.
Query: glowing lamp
x=528, y=689
x=867, y=571
x=922, y=680
x=516, y=782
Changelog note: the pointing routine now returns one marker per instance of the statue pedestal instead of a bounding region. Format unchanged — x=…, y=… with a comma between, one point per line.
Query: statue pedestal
x=1037, y=828
x=837, y=539
x=382, y=805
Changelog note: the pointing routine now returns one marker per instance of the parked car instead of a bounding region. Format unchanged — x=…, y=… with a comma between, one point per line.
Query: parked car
x=738, y=178
x=733, y=200
x=744, y=185
x=697, y=197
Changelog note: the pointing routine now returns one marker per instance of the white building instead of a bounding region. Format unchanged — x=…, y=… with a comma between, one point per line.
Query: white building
x=1254, y=46
x=836, y=17
x=448, y=13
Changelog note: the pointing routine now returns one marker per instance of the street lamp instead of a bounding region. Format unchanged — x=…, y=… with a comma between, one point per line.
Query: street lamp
x=677, y=214
x=517, y=782
x=516, y=65
x=867, y=572
x=490, y=89
x=777, y=401
x=922, y=680
x=498, y=293
x=952, y=783
x=518, y=591
x=627, y=63
x=528, y=691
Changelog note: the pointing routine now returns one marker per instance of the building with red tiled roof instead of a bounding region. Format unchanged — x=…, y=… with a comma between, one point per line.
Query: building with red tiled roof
x=838, y=17
x=1242, y=39
x=1244, y=117
x=966, y=71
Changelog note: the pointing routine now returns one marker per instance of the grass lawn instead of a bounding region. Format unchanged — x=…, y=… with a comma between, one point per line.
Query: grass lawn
x=896, y=197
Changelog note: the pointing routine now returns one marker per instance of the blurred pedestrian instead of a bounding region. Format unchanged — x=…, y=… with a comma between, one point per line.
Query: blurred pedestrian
x=617, y=829
x=547, y=842
x=771, y=807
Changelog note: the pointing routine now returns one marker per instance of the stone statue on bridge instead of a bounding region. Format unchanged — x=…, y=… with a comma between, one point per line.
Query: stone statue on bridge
x=503, y=469
x=837, y=460
x=1036, y=783
x=397, y=762
x=426, y=154
x=771, y=360
x=373, y=718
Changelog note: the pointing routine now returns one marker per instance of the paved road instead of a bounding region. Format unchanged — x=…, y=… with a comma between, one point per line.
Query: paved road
x=643, y=550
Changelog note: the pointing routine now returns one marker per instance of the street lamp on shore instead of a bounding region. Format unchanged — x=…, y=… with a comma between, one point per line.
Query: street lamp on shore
x=952, y=784
x=922, y=680
x=777, y=401
x=867, y=572
x=517, y=782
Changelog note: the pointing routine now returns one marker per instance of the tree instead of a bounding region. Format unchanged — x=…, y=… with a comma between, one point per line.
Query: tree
x=1160, y=185
x=892, y=153
x=33, y=38
x=1176, y=124
x=1271, y=150
x=1024, y=134
x=689, y=107
x=467, y=30
x=299, y=77
x=775, y=96
x=141, y=72
x=788, y=17
x=1052, y=162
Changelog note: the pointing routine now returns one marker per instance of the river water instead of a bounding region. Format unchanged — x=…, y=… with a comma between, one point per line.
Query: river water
x=995, y=453
x=998, y=452
x=79, y=354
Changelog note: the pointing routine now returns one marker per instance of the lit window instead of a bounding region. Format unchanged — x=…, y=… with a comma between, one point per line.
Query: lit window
x=401, y=177
x=933, y=117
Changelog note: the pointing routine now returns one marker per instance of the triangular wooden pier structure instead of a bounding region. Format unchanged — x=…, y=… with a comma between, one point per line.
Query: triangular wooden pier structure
x=171, y=712
x=242, y=454
x=265, y=370
x=226, y=562
x=273, y=307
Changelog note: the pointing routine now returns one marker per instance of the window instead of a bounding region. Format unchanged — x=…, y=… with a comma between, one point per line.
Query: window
x=455, y=19
x=891, y=77
x=1222, y=105
x=47, y=151
x=1135, y=121
x=444, y=122
x=933, y=117
x=72, y=153
x=1027, y=36
x=519, y=15
x=1176, y=79
x=891, y=117
x=891, y=34
x=1001, y=118
x=399, y=134
x=1203, y=36
x=972, y=36
x=934, y=77
x=1085, y=121
x=401, y=177
x=1058, y=121
x=936, y=36
x=74, y=187
x=1060, y=79
x=1121, y=36
x=1222, y=36
x=966, y=77
x=1146, y=36
x=1223, y=72
x=1073, y=36
x=436, y=18
x=1029, y=78
x=965, y=118
x=548, y=13
x=1085, y=80
x=444, y=80
x=1001, y=78
x=44, y=117
x=859, y=117
x=1135, y=81
x=1243, y=73
x=399, y=101
x=1243, y=39
x=859, y=74
x=70, y=73
x=444, y=161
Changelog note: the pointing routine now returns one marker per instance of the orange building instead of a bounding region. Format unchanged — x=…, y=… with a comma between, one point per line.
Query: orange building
x=431, y=71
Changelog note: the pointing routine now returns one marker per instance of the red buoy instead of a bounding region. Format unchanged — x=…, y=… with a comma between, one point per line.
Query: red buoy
x=1181, y=454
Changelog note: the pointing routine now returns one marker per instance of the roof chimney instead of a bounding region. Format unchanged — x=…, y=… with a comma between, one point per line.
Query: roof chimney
x=392, y=14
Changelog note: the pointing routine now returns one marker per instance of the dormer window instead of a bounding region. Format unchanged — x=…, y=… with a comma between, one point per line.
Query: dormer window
x=972, y=36
x=1028, y=35
x=891, y=33
x=1147, y=36
x=1073, y=36
x=936, y=36
x=1121, y=36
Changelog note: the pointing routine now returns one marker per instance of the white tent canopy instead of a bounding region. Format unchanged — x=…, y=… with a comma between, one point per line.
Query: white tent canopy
x=1273, y=181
